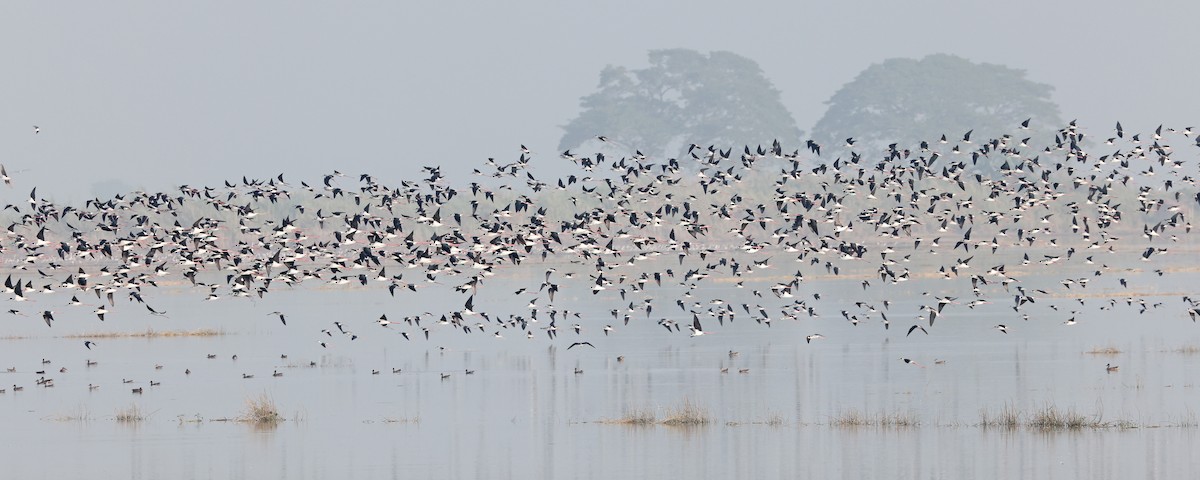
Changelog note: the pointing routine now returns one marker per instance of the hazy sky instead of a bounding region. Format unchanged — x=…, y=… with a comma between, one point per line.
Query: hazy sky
x=157, y=94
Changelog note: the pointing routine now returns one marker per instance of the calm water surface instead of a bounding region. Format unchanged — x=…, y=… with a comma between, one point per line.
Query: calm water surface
x=525, y=413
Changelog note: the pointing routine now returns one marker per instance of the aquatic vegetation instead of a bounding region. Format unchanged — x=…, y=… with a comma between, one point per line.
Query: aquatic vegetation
x=80, y=414
x=1126, y=423
x=1051, y=417
x=260, y=410
x=402, y=420
x=1109, y=350
x=857, y=418
x=131, y=414
x=687, y=414
x=683, y=415
x=1007, y=417
x=151, y=333
x=636, y=416
x=196, y=418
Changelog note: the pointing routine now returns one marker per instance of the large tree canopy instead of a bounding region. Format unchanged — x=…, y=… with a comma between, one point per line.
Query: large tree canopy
x=906, y=101
x=683, y=97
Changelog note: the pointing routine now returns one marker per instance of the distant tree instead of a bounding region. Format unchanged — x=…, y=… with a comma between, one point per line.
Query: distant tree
x=683, y=97
x=907, y=101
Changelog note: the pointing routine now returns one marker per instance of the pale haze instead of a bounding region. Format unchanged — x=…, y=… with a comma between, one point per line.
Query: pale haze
x=574, y=316
x=152, y=95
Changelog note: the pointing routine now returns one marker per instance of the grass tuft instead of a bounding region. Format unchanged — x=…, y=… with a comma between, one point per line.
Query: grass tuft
x=131, y=414
x=1007, y=417
x=261, y=410
x=1052, y=418
x=636, y=416
x=856, y=418
x=688, y=414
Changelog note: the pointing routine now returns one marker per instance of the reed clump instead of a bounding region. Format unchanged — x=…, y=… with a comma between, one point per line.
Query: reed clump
x=858, y=418
x=687, y=414
x=261, y=410
x=1007, y=417
x=131, y=414
x=1051, y=417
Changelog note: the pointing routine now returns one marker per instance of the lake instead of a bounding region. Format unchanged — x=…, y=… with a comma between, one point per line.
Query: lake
x=845, y=405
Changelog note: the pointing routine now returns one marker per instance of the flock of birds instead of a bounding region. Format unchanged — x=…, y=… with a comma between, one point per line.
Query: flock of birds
x=659, y=240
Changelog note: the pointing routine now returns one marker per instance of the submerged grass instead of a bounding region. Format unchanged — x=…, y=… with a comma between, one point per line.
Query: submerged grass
x=402, y=420
x=1049, y=418
x=857, y=418
x=151, y=333
x=1109, y=350
x=81, y=414
x=774, y=419
x=635, y=416
x=1188, y=350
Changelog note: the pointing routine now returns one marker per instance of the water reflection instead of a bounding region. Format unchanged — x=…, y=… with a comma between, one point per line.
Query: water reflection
x=525, y=413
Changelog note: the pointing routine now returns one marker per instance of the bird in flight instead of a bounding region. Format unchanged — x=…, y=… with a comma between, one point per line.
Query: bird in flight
x=576, y=344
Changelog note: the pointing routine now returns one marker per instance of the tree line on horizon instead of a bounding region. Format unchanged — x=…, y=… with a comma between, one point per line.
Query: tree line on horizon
x=685, y=98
